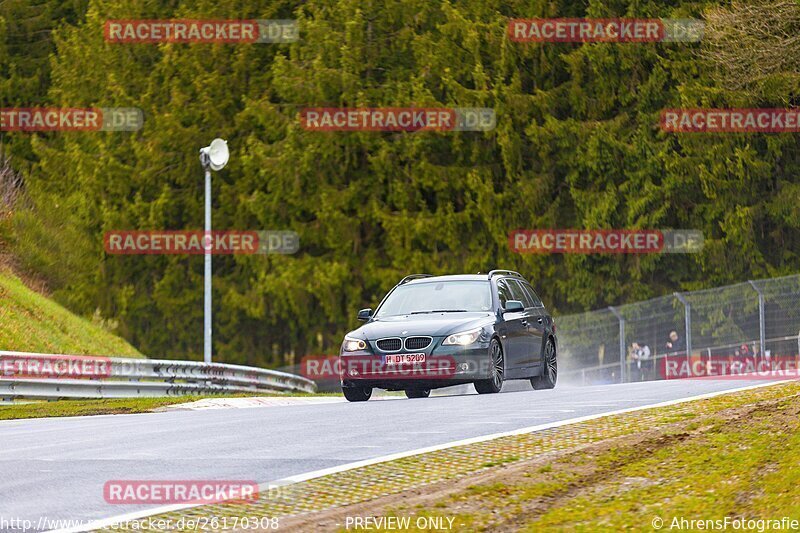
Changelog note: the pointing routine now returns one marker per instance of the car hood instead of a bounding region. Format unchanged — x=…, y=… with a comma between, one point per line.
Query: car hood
x=433, y=324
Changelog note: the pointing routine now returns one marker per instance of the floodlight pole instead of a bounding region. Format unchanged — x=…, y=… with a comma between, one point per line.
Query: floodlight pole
x=207, y=276
x=212, y=157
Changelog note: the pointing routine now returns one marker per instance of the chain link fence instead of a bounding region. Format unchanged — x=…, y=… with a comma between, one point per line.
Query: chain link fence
x=747, y=325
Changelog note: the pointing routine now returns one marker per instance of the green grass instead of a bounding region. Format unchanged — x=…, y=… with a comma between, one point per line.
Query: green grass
x=45, y=409
x=59, y=408
x=731, y=462
x=735, y=467
x=29, y=322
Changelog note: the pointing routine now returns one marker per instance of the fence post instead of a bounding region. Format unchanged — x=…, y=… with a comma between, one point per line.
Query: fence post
x=688, y=321
x=622, y=355
x=761, y=322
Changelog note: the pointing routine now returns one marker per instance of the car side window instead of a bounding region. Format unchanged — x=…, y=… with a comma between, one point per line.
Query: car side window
x=503, y=292
x=519, y=293
x=537, y=302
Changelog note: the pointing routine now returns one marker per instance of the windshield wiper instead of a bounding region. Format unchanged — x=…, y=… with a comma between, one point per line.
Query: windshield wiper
x=439, y=311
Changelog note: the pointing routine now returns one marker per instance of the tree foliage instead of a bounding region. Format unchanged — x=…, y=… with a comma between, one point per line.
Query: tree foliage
x=577, y=145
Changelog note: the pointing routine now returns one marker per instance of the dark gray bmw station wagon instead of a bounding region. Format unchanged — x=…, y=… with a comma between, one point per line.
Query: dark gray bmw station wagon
x=437, y=331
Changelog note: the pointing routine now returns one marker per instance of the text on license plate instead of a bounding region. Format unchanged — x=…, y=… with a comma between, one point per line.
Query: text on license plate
x=404, y=358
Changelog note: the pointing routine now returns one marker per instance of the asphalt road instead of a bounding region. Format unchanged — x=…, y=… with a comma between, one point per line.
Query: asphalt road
x=56, y=468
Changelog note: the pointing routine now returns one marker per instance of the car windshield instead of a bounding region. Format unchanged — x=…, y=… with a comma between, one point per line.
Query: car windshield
x=442, y=296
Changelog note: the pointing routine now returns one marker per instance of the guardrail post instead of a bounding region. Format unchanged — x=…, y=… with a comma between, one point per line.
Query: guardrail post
x=688, y=325
x=622, y=355
x=761, y=322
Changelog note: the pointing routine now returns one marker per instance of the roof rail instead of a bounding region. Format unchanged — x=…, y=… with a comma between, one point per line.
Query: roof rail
x=414, y=276
x=501, y=272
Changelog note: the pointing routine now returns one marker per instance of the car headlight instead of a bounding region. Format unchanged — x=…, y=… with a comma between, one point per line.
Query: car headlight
x=353, y=345
x=464, y=338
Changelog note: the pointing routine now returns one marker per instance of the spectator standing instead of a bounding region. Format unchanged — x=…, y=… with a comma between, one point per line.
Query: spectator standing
x=674, y=344
x=641, y=356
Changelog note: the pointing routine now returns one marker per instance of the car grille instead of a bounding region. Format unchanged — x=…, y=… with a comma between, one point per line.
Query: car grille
x=418, y=343
x=392, y=344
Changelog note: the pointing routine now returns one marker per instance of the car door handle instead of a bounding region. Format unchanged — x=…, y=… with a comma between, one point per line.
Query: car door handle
x=524, y=323
x=541, y=320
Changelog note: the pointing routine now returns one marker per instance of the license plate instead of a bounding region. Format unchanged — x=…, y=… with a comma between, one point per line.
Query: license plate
x=404, y=358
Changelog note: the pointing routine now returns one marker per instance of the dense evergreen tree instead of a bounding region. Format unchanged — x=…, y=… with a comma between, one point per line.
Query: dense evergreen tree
x=577, y=145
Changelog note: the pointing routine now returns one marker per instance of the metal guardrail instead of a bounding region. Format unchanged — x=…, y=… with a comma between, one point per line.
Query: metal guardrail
x=130, y=378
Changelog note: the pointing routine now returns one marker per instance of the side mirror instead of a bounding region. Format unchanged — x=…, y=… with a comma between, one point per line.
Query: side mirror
x=365, y=314
x=513, y=306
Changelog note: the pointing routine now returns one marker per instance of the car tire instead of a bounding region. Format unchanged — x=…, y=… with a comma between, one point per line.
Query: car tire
x=357, y=394
x=418, y=393
x=494, y=383
x=550, y=370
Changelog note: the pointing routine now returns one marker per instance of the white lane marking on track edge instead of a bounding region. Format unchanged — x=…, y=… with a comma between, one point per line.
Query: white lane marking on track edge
x=291, y=480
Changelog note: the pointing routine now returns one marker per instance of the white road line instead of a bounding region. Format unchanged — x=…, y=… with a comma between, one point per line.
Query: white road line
x=479, y=423
x=291, y=480
x=526, y=417
x=612, y=404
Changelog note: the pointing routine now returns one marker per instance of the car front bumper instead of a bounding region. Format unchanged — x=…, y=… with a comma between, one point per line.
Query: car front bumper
x=444, y=366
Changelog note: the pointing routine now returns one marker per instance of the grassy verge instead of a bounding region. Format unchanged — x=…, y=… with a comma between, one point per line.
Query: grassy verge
x=43, y=409
x=731, y=455
x=30, y=322
x=87, y=407
x=737, y=462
